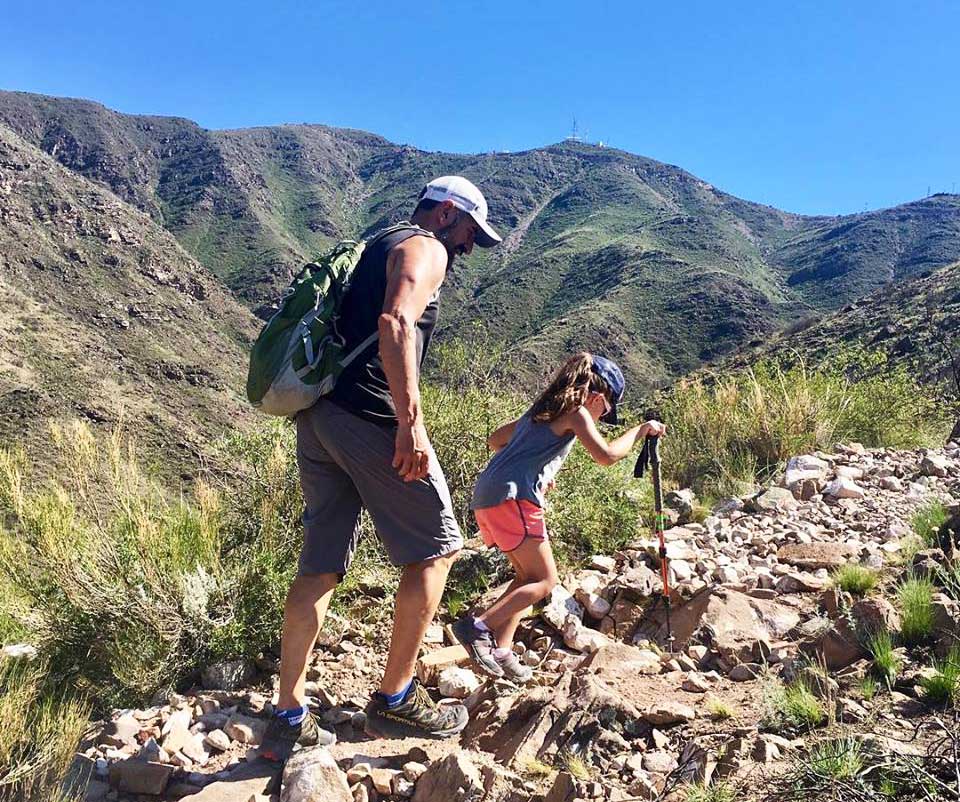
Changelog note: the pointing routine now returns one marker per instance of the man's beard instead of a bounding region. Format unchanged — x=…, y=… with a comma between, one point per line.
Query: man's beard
x=452, y=251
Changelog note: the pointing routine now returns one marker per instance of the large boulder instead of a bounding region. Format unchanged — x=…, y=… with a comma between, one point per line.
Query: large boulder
x=453, y=779
x=844, y=487
x=683, y=501
x=230, y=675
x=618, y=658
x=837, y=646
x=140, y=777
x=667, y=712
x=805, y=476
x=812, y=556
x=935, y=465
x=733, y=624
x=773, y=500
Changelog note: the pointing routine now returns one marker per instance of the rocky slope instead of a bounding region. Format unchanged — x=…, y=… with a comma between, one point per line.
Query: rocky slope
x=614, y=713
x=915, y=323
x=104, y=317
x=606, y=250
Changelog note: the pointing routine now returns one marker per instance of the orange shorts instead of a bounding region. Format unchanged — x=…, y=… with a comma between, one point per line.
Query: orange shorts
x=507, y=524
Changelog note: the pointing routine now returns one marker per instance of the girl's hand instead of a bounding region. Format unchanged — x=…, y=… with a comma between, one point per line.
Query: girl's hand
x=654, y=428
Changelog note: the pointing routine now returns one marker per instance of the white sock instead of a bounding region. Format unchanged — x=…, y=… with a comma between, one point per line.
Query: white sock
x=501, y=652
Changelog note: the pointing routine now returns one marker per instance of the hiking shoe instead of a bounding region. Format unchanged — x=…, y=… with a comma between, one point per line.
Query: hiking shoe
x=513, y=669
x=283, y=739
x=417, y=716
x=479, y=644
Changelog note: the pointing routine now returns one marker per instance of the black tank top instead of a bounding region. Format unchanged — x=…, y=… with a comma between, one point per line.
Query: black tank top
x=362, y=387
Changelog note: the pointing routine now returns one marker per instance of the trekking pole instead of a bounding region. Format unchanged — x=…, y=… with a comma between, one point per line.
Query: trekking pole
x=650, y=454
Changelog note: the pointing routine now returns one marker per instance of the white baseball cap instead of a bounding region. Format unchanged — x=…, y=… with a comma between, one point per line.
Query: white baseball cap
x=464, y=195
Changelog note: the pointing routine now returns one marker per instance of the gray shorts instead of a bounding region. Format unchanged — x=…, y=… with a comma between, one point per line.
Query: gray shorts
x=345, y=465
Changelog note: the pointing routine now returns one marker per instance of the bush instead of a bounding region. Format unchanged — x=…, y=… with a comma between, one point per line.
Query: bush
x=885, y=661
x=728, y=432
x=838, y=759
x=720, y=710
x=915, y=597
x=127, y=590
x=721, y=792
x=39, y=733
x=943, y=688
x=118, y=585
x=794, y=706
x=927, y=521
x=857, y=580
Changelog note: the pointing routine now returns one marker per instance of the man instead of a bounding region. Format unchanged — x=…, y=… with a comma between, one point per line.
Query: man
x=365, y=445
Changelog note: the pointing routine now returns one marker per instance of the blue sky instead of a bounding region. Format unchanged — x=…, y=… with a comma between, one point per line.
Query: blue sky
x=814, y=107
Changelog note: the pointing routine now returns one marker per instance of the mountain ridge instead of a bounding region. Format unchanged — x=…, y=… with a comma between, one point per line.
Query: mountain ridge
x=605, y=249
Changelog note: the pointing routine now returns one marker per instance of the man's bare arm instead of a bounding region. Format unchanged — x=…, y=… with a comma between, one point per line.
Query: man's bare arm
x=415, y=270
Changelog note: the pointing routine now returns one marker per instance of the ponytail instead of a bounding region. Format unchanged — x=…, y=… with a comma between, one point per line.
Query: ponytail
x=568, y=390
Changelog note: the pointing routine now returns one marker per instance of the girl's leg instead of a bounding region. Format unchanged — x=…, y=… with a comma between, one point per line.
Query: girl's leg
x=536, y=577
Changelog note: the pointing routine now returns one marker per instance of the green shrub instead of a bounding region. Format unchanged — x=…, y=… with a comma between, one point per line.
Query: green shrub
x=885, y=661
x=795, y=706
x=943, y=688
x=39, y=733
x=720, y=710
x=915, y=597
x=837, y=759
x=857, y=580
x=927, y=520
x=728, y=432
x=721, y=792
x=868, y=687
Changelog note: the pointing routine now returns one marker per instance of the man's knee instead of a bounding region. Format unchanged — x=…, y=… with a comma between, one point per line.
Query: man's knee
x=310, y=588
x=443, y=563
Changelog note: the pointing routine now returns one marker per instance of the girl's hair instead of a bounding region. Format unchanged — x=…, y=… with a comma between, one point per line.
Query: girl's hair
x=568, y=390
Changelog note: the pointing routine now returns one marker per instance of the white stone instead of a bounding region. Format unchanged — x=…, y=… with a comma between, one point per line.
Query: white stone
x=457, y=683
x=218, y=740
x=561, y=606
x=891, y=483
x=842, y=487
x=583, y=639
x=19, y=651
x=681, y=570
x=413, y=770
x=601, y=562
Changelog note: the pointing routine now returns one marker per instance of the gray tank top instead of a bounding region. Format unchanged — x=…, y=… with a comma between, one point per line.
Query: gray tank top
x=524, y=467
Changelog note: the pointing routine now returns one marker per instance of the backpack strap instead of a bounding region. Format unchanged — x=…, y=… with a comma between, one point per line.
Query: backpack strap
x=403, y=225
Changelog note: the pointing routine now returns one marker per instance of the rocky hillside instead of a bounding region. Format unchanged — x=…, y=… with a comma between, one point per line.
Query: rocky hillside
x=770, y=666
x=915, y=323
x=606, y=250
x=105, y=317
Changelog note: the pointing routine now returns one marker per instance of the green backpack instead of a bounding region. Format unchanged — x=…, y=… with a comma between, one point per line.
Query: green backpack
x=299, y=354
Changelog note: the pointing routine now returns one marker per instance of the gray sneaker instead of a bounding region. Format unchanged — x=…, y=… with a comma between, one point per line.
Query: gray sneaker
x=513, y=669
x=479, y=644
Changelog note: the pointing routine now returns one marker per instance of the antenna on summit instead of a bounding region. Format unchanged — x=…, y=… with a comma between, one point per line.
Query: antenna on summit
x=574, y=133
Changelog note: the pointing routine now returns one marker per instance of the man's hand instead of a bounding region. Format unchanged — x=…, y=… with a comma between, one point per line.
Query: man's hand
x=411, y=456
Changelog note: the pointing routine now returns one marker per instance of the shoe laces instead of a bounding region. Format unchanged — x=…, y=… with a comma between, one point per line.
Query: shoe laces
x=422, y=696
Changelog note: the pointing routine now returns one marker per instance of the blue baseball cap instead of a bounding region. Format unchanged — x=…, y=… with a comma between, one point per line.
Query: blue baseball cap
x=607, y=370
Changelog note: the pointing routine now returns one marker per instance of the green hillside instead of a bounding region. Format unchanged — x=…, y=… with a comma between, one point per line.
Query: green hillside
x=604, y=249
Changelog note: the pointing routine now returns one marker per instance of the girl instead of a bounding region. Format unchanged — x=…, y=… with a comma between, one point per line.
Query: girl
x=508, y=498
